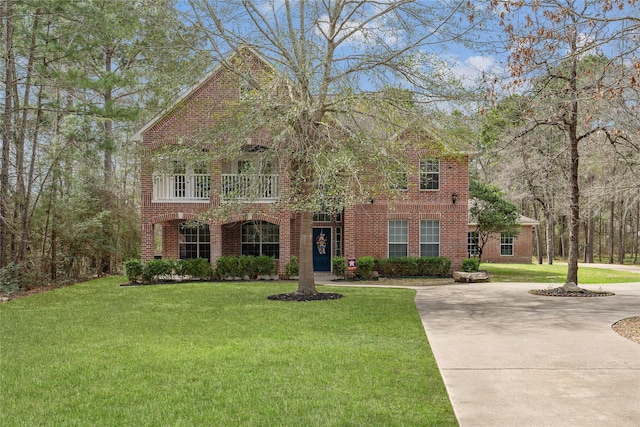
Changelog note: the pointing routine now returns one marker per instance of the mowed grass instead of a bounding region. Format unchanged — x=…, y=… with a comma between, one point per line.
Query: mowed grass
x=544, y=273
x=216, y=354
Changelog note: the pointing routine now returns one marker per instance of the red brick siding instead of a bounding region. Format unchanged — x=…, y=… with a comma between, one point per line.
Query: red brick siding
x=522, y=248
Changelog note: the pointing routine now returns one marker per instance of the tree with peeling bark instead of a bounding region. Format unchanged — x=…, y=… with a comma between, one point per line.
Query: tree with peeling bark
x=549, y=41
x=357, y=73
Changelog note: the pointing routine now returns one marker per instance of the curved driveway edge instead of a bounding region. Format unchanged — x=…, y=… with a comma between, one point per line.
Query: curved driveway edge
x=509, y=358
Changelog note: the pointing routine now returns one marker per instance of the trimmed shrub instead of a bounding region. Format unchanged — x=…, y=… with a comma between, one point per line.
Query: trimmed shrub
x=133, y=270
x=227, y=266
x=247, y=266
x=157, y=269
x=265, y=265
x=365, y=266
x=471, y=265
x=292, y=268
x=339, y=265
x=199, y=268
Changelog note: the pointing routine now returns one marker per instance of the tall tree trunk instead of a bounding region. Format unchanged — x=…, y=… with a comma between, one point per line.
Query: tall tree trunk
x=21, y=205
x=621, y=231
x=637, y=234
x=549, y=222
x=589, y=236
x=108, y=166
x=537, y=231
x=574, y=156
x=612, y=231
x=306, y=279
x=7, y=17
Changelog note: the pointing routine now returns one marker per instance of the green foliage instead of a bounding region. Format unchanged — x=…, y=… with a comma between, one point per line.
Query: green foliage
x=413, y=266
x=339, y=265
x=471, y=265
x=365, y=266
x=247, y=266
x=158, y=269
x=133, y=270
x=9, y=279
x=491, y=212
x=265, y=265
x=227, y=266
x=244, y=266
x=292, y=268
x=196, y=267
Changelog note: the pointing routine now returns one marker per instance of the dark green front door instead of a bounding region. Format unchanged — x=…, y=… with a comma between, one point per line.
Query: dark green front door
x=321, y=249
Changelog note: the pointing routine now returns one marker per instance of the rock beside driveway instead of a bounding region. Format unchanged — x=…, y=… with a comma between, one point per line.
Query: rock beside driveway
x=472, y=277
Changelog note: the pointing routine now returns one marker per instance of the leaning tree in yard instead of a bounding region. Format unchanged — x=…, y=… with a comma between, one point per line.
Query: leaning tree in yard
x=549, y=41
x=357, y=74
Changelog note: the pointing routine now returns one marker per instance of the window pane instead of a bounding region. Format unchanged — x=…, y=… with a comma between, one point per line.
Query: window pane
x=472, y=244
x=398, y=231
x=397, y=250
x=428, y=249
x=430, y=174
x=250, y=249
x=506, y=244
x=429, y=231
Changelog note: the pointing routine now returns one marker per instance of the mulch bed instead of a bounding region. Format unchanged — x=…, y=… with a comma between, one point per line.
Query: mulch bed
x=562, y=292
x=320, y=296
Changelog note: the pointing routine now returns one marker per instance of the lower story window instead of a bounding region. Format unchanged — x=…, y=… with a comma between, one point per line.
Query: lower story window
x=261, y=238
x=506, y=244
x=398, y=238
x=338, y=240
x=429, y=237
x=472, y=244
x=194, y=241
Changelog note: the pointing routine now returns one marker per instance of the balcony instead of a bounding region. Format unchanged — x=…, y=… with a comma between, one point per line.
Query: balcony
x=197, y=188
x=181, y=188
x=250, y=188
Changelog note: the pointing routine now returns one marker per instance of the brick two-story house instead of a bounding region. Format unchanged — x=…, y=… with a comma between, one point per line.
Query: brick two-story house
x=430, y=219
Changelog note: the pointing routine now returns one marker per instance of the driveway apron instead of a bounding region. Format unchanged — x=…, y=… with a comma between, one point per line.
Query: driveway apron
x=509, y=358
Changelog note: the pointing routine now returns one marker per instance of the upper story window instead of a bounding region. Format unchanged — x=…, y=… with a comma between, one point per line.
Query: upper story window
x=430, y=174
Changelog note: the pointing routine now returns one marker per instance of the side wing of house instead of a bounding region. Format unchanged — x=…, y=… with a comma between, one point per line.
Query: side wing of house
x=505, y=248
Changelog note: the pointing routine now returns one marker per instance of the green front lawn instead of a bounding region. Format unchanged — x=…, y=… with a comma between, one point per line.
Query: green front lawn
x=216, y=354
x=545, y=273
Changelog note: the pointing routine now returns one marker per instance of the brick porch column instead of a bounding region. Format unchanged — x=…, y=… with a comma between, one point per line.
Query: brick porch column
x=215, y=234
x=285, y=240
x=147, y=240
x=349, y=232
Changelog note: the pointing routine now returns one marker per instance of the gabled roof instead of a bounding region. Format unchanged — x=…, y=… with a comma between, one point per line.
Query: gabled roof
x=137, y=136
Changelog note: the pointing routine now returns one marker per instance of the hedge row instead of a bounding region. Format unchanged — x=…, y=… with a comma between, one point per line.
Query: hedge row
x=413, y=266
x=167, y=269
x=390, y=267
x=245, y=266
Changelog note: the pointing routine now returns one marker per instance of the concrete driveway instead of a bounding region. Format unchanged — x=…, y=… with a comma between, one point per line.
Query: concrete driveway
x=509, y=358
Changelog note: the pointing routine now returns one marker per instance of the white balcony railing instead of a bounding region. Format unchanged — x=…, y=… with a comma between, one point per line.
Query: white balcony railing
x=181, y=188
x=197, y=187
x=250, y=187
